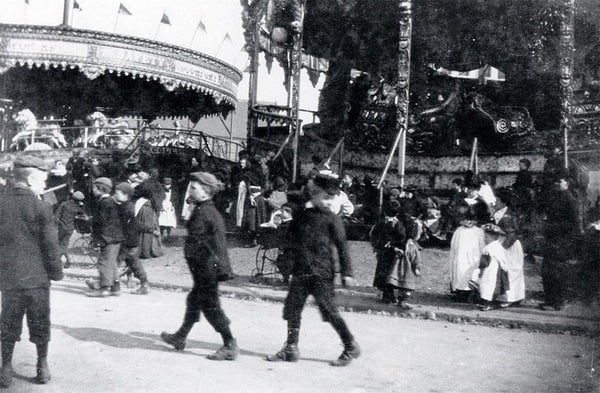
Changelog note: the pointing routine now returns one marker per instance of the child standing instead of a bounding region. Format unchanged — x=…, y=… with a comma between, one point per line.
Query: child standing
x=207, y=257
x=167, y=219
x=107, y=231
x=65, y=217
x=388, y=235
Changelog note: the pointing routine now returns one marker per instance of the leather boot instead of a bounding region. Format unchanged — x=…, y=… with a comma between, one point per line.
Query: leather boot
x=289, y=353
x=229, y=351
x=174, y=340
x=6, y=374
x=43, y=372
x=351, y=351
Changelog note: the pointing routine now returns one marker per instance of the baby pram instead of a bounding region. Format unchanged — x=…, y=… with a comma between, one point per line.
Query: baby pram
x=270, y=244
x=83, y=246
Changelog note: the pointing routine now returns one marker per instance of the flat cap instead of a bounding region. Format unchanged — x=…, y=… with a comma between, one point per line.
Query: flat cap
x=104, y=180
x=125, y=188
x=78, y=196
x=30, y=162
x=205, y=178
x=167, y=180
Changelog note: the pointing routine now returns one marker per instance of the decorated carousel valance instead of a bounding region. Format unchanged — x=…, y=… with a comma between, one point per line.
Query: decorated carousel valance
x=96, y=53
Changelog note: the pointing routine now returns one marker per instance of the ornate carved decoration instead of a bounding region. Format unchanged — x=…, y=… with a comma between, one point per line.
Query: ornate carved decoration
x=95, y=53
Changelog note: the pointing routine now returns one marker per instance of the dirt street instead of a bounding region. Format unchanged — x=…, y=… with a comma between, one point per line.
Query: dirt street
x=113, y=345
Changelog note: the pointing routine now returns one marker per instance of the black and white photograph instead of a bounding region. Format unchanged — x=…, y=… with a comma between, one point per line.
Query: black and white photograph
x=281, y=196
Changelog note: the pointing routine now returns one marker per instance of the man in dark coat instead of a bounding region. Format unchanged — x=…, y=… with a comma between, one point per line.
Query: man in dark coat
x=107, y=231
x=561, y=235
x=205, y=250
x=313, y=235
x=29, y=259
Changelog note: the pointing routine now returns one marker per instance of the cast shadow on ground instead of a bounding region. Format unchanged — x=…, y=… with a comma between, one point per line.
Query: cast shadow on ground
x=112, y=339
x=195, y=344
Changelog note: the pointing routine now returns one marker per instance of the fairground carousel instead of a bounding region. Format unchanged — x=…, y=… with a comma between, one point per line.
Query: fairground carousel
x=74, y=73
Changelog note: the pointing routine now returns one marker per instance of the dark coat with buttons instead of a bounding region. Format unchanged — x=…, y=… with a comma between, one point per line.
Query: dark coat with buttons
x=205, y=246
x=29, y=250
x=314, y=237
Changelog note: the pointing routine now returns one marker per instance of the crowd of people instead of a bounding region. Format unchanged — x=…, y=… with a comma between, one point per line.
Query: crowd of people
x=30, y=257
x=489, y=233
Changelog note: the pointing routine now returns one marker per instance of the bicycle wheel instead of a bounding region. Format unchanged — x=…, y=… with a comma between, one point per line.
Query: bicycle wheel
x=82, y=251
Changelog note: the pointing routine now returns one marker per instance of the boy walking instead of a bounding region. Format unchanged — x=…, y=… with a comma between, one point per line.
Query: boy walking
x=130, y=248
x=206, y=254
x=29, y=259
x=312, y=236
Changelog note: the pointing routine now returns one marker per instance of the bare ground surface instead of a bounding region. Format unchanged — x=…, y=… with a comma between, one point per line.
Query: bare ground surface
x=113, y=344
x=171, y=270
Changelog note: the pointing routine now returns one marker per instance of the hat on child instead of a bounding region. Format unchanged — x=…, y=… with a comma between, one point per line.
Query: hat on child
x=104, y=180
x=78, y=196
x=125, y=188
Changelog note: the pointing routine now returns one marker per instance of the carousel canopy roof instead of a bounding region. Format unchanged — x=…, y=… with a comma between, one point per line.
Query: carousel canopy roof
x=181, y=44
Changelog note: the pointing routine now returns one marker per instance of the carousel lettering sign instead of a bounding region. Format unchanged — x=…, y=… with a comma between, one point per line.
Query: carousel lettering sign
x=95, y=53
x=169, y=149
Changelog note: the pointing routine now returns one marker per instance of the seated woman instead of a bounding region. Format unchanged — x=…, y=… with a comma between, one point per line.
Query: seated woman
x=493, y=280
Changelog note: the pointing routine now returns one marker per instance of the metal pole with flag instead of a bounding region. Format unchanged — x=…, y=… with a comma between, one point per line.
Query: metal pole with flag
x=201, y=27
x=122, y=10
x=164, y=20
x=227, y=37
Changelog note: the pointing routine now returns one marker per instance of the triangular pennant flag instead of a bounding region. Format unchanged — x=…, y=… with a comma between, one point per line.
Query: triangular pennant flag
x=165, y=19
x=26, y=1
x=76, y=5
x=227, y=37
x=201, y=26
x=123, y=10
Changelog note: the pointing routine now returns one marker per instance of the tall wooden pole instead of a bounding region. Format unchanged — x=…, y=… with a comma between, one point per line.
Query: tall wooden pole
x=253, y=87
x=296, y=71
x=402, y=90
x=567, y=50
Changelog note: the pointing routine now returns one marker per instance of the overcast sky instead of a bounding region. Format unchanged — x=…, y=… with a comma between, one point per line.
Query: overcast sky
x=220, y=17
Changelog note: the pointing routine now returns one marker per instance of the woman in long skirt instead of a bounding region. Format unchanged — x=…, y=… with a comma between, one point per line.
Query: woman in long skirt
x=465, y=253
x=507, y=220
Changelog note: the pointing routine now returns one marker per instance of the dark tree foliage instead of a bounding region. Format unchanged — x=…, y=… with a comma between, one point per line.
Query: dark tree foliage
x=520, y=37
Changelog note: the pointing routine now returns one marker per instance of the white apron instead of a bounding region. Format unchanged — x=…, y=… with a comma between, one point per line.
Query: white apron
x=465, y=253
x=167, y=214
x=489, y=275
x=516, y=276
